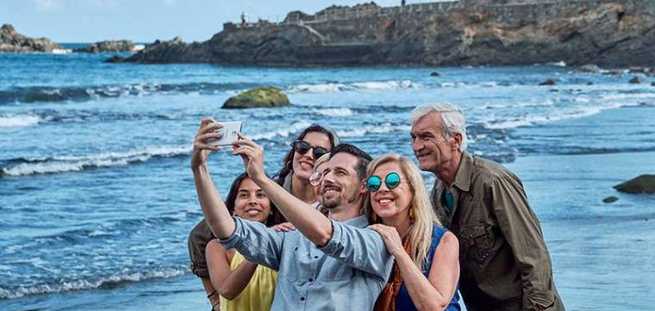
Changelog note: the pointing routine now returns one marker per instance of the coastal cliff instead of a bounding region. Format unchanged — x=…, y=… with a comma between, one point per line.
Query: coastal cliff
x=11, y=41
x=610, y=33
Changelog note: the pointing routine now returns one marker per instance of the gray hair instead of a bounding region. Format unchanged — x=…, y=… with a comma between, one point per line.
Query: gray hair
x=451, y=117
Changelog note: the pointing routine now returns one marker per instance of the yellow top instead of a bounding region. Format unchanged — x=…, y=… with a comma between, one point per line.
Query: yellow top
x=258, y=294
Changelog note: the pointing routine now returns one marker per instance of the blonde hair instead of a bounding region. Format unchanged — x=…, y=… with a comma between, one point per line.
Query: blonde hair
x=420, y=231
x=324, y=158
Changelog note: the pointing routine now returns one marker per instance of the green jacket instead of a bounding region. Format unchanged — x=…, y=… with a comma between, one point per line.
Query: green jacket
x=503, y=257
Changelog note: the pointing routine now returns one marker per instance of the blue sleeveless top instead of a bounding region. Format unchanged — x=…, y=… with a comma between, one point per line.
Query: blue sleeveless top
x=403, y=300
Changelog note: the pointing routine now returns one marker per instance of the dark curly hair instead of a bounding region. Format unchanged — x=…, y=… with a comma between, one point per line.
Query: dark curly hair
x=274, y=218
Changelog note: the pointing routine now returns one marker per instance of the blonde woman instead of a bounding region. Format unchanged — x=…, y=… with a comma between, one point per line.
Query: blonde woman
x=426, y=271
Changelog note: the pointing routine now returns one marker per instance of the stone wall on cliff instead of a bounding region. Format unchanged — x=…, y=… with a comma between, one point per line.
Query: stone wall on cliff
x=606, y=32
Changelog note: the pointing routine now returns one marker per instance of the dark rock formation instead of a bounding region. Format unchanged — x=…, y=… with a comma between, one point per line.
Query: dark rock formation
x=173, y=51
x=635, y=80
x=258, y=98
x=610, y=199
x=434, y=74
x=11, y=41
x=548, y=82
x=108, y=46
x=641, y=184
x=610, y=33
x=115, y=59
x=614, y=72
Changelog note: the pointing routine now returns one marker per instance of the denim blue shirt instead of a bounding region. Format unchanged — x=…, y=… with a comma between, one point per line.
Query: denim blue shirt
x=348, y=273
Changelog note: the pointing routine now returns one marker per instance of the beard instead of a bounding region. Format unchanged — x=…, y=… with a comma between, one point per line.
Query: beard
x=331, y=203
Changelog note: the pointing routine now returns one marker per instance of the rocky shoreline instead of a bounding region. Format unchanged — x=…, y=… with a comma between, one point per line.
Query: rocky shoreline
x=108, y=46
x=609, y=33
x=11, y=41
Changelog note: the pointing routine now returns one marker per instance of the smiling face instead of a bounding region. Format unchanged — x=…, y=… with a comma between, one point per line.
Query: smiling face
x=303, y=164
x=431, y=148
x=387, y=203
x=341, y=183
x=251, y=203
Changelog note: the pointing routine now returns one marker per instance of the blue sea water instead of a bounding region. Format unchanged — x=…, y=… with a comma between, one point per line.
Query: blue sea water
x=97, y=198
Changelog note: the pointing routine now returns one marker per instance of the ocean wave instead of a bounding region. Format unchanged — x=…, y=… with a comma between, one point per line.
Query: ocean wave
x=61, y=164
x=608, y=102
x=320, y=88
x=558, y=64
x=19, y=120
x=294, y=128
x=332, y=87
x=334, y=112
x=526, y=104
x=107, y=231
x=82, y=93
x=373, y=129
x=61, y=51
x=627, y=96
x=540, y=119
x=84, y=284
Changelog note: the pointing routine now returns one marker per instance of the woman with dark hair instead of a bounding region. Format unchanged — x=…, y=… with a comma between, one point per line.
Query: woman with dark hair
x=299, y=162
x=215, y=265
x=298, y=166
x=242, y=285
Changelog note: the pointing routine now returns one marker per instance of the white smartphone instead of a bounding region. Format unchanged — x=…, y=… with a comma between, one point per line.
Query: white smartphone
x=229, y=131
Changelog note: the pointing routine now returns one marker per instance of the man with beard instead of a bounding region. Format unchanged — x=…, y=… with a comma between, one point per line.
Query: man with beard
x=328, y=263
x=503, y=257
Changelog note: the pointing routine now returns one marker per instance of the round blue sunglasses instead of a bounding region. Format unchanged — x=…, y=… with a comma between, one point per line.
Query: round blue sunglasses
x=392, y=180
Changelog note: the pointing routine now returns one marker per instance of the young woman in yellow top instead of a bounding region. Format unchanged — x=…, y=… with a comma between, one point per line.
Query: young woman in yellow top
x=242, y=285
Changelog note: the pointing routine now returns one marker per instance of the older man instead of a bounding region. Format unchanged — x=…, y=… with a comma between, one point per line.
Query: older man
x=504, y=261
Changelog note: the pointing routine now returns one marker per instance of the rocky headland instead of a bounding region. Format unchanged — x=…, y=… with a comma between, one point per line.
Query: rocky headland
x=108, y=46
x=609, y=33
x=11, y=41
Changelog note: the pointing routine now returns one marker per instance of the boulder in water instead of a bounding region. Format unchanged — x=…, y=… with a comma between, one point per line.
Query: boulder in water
x=548, y=82
x=635, y=80
x=610, y=199
x=261, y=97
x=434, y=74
x=641, y=184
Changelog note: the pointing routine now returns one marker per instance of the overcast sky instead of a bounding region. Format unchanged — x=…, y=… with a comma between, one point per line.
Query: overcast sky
x=146, y=20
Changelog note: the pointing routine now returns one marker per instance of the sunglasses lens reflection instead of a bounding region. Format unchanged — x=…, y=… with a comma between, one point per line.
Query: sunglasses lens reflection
x=319, y=152
x=392, y=180
x=373, y=183
x=301, y=146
